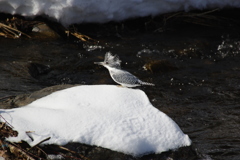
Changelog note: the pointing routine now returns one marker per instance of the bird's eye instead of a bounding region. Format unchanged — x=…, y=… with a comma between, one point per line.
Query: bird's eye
x=106, y=62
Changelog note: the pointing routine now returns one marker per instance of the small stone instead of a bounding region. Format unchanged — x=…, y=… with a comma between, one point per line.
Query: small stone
x=42, y=30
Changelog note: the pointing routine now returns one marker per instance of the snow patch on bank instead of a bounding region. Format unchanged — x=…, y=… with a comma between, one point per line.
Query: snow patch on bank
x=79, y=11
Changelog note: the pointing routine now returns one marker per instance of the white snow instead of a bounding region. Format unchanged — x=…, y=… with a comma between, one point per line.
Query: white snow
x=120, y=119
x=79, y=11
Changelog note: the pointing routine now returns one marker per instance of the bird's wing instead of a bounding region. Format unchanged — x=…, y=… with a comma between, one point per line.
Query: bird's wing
x=125, y=77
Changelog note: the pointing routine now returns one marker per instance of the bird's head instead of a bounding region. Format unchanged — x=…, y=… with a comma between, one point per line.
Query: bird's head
x=110, y=61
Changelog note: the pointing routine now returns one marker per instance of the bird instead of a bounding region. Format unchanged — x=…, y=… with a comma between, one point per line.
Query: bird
x=122, y=77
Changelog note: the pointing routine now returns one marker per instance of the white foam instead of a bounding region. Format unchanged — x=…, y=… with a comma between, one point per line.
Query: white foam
x=112, y=117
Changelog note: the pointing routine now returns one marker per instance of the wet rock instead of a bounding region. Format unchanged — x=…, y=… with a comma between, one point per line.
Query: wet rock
x=43, y=31
x=36, y=69
x=99, y=153
x=25, y=99
x=159, y=66
x=16, y=68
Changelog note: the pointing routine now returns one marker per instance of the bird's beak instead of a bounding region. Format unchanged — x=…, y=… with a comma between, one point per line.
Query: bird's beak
x=99, y=63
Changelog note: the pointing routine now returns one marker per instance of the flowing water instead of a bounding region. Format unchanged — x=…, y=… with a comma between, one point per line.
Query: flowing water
x=196, y=71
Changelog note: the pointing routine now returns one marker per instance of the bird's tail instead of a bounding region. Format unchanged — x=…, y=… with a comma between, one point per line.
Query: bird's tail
x=146, y=83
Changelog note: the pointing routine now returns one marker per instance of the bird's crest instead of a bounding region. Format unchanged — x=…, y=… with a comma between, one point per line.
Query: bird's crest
x=112, y=60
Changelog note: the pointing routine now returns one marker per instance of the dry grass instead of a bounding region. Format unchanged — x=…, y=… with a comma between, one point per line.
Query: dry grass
x=8, y=29
x=73, y=31
x=11, y=28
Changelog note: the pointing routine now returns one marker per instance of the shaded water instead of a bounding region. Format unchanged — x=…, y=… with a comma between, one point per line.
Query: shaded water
x=198, y=86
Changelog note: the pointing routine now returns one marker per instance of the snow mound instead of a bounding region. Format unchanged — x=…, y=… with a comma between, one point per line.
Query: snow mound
x=112, y=117
x=79, y=11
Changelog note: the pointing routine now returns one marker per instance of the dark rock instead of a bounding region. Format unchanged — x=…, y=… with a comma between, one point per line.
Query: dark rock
x=36, y=69
x=25, y=99
x=42, y=30
x=99, y=153
x=93, y=152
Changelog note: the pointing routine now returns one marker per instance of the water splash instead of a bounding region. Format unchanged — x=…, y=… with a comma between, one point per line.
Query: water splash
x=146, y=51
x=90, y=48
x=228, y=48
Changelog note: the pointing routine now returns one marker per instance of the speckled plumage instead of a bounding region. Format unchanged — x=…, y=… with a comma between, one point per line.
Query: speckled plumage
x=122, y=77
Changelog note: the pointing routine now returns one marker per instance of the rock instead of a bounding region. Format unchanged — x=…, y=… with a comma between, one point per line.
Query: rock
x=95, y=152
x=99, y=153
x=43, y=31
x=36, y=69
x=22, y=100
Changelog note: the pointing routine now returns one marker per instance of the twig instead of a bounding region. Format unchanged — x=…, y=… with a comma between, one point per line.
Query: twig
x=82, y=37
x=13, y=148
x=211, y=11
x=6, y=121
x=171, y=16
x=68, y=157
x=42, y=151
x=27, y=133
x=39, y=143
x=66, y=149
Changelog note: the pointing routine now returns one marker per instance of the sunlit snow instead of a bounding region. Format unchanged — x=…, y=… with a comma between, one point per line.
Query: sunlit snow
x=117, y=118
x=78, y=11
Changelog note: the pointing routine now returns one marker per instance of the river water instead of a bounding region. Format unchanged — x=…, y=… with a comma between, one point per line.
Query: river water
x=196, y=71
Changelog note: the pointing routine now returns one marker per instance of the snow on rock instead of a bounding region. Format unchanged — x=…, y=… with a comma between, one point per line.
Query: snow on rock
x=79, y=11
x=112, y=117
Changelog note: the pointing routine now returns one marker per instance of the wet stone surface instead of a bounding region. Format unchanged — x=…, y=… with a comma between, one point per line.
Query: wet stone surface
x=196, y=71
